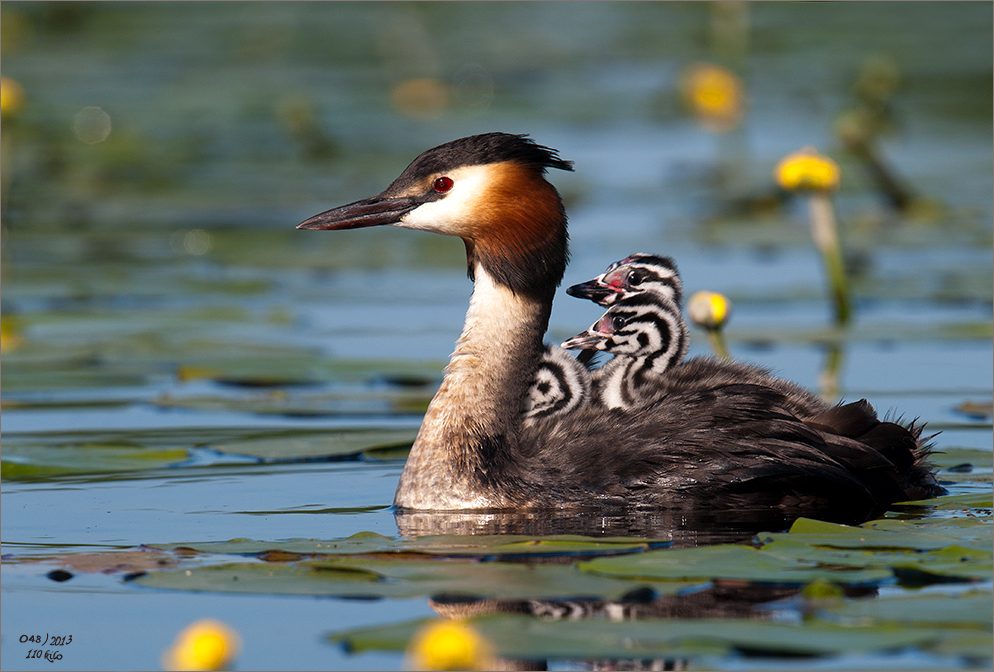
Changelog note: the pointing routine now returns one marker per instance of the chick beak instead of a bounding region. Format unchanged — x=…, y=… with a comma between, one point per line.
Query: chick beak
x=594, y=291
x=587, y=340
x=374, y=211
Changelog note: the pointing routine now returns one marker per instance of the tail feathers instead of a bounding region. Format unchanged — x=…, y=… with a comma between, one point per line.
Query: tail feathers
x=921, y=480
x=894, y=442
x=900, y=445
x=851, y=420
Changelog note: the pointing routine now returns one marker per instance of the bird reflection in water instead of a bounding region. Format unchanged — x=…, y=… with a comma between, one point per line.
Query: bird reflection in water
x=724, y=599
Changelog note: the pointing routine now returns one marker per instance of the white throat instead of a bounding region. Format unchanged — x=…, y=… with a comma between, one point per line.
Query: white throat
x=479, y=401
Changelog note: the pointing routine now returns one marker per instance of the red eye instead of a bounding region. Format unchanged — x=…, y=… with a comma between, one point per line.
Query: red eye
x=442, y=184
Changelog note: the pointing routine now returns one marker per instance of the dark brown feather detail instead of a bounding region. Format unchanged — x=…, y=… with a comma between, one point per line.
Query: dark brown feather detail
x=728, y=446
x=702, y=373
x=520, y=232
x=850, y=420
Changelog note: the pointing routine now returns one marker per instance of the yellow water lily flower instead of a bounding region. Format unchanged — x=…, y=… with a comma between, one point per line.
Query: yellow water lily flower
x=715, y=94
x=204, y=645
x=11, y=96
x=709, y=310
x=807, y=169
x=449, y=645
x=10, y=335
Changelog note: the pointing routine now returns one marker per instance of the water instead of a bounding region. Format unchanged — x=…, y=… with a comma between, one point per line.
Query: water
x=165, y=325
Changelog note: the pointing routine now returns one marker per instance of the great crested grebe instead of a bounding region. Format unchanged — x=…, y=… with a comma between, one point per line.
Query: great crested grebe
x=640, y=272
x=730, y=445
x=647, y=335
x=559, y=386
x=562, y=382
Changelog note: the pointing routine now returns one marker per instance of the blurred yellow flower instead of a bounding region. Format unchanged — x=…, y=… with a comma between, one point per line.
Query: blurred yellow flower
x=424, y=97
x=10, y=335
x=807, y=169
x=716, y=95
x=449, y=645
x=11, y=96
x=709, y=310
x=204, y=645
x=186, y=373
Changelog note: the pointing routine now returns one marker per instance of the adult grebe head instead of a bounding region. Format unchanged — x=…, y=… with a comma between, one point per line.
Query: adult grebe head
x=489, y=190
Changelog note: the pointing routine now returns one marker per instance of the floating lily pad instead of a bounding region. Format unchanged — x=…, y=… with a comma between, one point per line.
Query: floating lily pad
x=952, y=561
x=969, y=530
x=37, y=455
x=362, y=542
x=950, y=456
x=339, y=442
x=969, y=610
x=728, y=562
x=977, y=500
x=45, y=455
x=510, y=546
x=973, y=645
x=472, y=546
x=23, y=461
x=888, y=533
x=976, y=409
x=365, y=577
x=17, y=378
x=300, y=404
x=387, y=454
x=592, y=639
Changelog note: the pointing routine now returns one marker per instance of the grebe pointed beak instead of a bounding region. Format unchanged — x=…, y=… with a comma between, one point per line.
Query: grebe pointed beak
x=593, y=291
x=374, y=211
x=587, y=340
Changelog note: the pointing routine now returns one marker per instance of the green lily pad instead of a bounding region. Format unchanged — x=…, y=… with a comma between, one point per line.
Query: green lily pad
x=325, y=444
x=973, y=500
x=38, y=455
x=971, y=610
x=17, y=378
x=969, y=530
x=975, y=645
x=520, y=545
x=888, y=533
x=301, y=402
x=727, y=562
x=387, y=454
x=917, y=551
x=24, y=461
x=362, y=542
x=952, y=561
x=811, y=526
x=592, y=639
x=135, y=341
x=364, y=577
x=469, y=546
x=952, y=456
